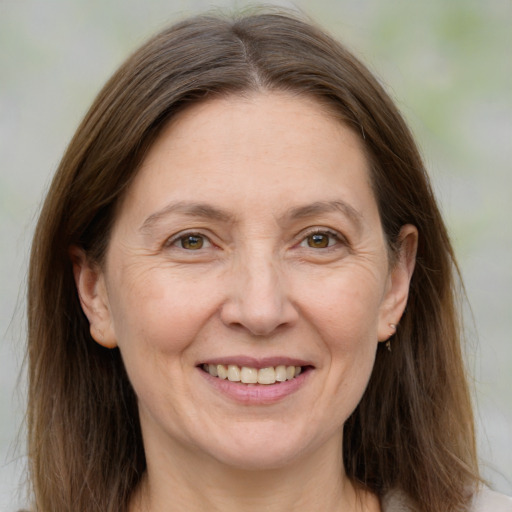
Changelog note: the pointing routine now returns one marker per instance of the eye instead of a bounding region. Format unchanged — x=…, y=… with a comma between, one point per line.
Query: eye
x=320, y=240
x=191, y=242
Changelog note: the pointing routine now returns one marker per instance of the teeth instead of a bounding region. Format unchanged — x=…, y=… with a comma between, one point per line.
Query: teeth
x=222, y=371
x=248, y=375
x=267, y=376
x=233, y=373
x=281, y=373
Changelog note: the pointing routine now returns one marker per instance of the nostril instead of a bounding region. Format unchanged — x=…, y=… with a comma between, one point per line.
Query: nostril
x=259, y=321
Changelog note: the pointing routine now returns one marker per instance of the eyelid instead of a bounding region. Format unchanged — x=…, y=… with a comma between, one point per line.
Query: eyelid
x=172, y=240
x=341, y=239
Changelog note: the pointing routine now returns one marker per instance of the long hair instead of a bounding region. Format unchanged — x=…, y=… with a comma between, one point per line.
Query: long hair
x=413, y=429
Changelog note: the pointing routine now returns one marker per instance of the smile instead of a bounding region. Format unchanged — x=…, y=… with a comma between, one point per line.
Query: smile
x=250, y=375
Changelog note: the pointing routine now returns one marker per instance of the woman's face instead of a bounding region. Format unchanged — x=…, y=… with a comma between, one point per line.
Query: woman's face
x=248, y=244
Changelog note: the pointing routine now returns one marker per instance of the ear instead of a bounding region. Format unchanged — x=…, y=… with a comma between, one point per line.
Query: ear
x=92, y=292
x=399, y=280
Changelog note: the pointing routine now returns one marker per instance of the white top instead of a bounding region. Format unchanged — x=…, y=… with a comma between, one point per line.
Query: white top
x=490, y=501
x=483, y=501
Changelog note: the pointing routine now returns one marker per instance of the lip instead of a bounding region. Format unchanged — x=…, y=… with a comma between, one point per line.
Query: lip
x=256, y=394
x=258, y=363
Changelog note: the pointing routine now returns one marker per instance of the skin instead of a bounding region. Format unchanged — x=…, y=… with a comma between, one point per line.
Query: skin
x=260, y=286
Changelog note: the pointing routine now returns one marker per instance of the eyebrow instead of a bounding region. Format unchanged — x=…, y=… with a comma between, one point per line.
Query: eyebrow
x=322, y=207
x=207, y=211
x=190, y=209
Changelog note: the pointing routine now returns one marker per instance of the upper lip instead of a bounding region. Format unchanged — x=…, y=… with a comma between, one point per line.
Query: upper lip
x=256, y=362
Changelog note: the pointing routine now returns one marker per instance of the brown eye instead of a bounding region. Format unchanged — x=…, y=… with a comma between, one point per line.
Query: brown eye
x=191, y=242
x=319, y=240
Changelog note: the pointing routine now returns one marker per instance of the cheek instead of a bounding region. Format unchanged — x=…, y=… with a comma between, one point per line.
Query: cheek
x=158, y=312
x=345, y=308
x=344, y=312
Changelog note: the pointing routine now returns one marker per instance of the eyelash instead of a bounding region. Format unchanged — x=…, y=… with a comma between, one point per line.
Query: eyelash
x=181, y=237
x=333, y=236
x=334, y=239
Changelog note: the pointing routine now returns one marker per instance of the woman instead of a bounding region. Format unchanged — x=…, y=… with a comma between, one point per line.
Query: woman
x=241, y=291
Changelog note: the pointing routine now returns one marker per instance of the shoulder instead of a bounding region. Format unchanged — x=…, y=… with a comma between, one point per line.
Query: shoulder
x=489, y=501
x=484, y=500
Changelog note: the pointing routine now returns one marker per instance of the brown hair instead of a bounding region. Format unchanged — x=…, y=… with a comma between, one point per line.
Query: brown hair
x=413, y=429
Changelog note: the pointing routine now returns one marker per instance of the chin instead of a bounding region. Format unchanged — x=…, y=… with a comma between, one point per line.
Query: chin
x=255, y=449
x=258, y=459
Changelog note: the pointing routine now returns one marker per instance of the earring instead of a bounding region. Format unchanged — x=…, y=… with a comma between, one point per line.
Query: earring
x=388, y=342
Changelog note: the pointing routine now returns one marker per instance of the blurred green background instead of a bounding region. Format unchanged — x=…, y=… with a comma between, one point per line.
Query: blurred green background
x=447, y=64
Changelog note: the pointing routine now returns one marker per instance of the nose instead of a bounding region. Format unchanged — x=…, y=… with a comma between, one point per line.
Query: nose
x=258, y=298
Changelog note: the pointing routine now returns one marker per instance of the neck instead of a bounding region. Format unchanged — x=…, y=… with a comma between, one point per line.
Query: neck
x=198, y=483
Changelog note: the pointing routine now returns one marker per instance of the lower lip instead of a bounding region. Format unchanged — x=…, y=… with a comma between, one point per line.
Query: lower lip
x=256, y=394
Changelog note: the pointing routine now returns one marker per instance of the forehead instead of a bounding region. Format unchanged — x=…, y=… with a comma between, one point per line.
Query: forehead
x=262, y=147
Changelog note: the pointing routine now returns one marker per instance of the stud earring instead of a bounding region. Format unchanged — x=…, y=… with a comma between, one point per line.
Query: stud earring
x=388, y=342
